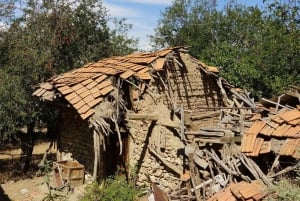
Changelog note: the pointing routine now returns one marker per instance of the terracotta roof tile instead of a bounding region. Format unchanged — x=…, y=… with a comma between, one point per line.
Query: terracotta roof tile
x=91, y=85
x=65, y=90
x=83, y=109
x=294, y=122
x=77, y=87
x=81, y=90
x=87, y=114
x=101, y=78
x=290, y=115
x=144, y=76
x=104, y=84
x=159, y=64
x=85, y=93
x=95, y=102
x=78, y=105
x=86, y=82
x=281, y=130
x=289, y=147
x=257, y=146
x=277, y=119
x=248, y=142
x=89, y=98
x=71, y=96
x=106, y=90
x=127, y=74
x=75, y=100
x=256, y=127
x=293, y=131
x=267, y=130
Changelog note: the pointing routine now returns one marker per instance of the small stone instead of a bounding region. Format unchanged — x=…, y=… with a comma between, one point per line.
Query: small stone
x=24, y=191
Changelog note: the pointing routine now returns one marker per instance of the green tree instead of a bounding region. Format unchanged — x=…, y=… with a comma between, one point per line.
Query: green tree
x=45, y=39
x=256, y=48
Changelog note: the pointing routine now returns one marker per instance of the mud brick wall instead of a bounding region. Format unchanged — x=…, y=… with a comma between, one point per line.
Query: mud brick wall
x=187, y=85
x=76, y=137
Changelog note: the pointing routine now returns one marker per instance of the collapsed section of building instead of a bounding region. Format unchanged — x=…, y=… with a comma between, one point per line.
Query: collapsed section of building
x=165, y=116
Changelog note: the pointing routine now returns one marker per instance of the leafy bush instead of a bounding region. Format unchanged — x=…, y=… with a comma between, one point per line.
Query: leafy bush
x=113, y=188
x=284, y=190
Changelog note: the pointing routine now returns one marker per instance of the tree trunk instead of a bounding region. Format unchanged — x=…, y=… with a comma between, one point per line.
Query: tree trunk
x=27, y=143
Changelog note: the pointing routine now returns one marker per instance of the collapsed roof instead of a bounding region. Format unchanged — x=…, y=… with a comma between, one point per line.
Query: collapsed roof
x=84, y=88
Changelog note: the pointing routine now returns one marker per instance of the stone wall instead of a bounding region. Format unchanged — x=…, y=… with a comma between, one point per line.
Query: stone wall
x=187, y=85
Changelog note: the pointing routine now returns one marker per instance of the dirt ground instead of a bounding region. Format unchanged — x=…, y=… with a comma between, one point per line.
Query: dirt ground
x=31, y=187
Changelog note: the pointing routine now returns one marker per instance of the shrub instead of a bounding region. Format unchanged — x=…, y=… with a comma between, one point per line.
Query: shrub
x=113, y=188
x=284, y=190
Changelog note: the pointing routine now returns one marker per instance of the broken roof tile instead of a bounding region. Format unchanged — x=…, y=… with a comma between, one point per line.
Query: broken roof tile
x=281, y=130
x=293, y=131
x=289, y=147
x=265, y=147
x=46, y=85
x=144, y=76
x=290, y=115
x=256, y=127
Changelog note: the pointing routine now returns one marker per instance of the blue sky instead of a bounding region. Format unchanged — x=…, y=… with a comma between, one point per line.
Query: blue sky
x=144, y=14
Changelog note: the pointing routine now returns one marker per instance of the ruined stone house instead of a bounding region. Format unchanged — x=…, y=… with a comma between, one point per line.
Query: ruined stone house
x=131, y=112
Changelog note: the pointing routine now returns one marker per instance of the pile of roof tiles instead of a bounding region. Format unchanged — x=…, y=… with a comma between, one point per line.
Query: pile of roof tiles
x=255, y=190
x=279, y=133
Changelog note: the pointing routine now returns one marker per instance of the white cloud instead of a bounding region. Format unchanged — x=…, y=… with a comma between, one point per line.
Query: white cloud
x=120, y=11
x=157, y=2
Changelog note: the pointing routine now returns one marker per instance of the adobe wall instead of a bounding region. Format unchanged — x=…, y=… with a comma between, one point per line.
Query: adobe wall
x=76, y=137
x=196, y=90
x=189, y=86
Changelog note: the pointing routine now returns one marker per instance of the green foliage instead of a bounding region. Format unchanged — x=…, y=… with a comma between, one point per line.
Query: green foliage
x=46, y=38
x=256, y=48
x=113, y=188
x=284, y=190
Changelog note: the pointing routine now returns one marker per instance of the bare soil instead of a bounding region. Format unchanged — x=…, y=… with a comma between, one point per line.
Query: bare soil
x=18, y=186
